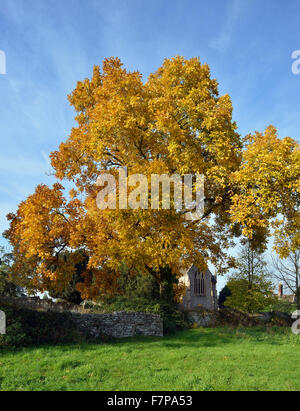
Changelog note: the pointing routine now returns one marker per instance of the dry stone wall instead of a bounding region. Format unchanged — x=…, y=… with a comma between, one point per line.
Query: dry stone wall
x=120, y=324
x=117, y=325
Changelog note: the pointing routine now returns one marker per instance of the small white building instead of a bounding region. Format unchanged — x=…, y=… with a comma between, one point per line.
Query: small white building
x=200, y=289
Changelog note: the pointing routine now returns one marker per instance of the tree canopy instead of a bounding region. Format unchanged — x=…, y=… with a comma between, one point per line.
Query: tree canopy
x=175, y=122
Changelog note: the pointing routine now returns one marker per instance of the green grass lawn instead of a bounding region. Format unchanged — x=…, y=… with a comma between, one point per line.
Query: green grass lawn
x=198, y=359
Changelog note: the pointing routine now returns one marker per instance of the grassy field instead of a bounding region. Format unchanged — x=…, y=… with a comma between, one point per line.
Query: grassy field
x=198, y=359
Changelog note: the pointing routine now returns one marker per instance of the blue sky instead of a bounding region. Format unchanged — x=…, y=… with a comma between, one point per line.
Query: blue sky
x=51, y=44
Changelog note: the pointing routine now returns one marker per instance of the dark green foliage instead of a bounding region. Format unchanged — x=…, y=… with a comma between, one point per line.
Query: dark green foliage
x=144, y=293
x=224, y=293
x=139, y=286
x=70, y=293
x=7, y=288
x=173, y=319
x=27, y=327
x=282, y=306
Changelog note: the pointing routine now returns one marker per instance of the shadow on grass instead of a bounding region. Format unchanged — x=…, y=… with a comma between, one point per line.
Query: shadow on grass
x=194, y=338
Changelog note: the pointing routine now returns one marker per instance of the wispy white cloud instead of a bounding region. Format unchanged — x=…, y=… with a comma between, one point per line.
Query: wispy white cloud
x=222, y=41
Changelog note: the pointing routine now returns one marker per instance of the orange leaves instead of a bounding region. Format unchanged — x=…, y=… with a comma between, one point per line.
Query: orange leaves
x=175, y=122
x=175, y=116
x=44, y=226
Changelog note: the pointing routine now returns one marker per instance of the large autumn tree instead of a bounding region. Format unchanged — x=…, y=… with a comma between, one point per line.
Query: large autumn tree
x=175, y=122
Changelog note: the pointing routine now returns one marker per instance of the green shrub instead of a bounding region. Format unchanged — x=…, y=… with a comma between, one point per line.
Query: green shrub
x=281, y=306
x=25, y=327
x=249, y=299
x=224, y=294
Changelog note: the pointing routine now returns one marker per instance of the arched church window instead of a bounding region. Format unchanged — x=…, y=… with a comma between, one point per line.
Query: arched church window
x=199, y=284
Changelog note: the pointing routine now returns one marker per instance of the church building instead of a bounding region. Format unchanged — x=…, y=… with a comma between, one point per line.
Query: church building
x=200, y=289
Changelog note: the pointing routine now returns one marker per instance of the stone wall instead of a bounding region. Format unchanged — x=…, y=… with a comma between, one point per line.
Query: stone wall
x=230, y=317
x=117, y=325
x=120, y=324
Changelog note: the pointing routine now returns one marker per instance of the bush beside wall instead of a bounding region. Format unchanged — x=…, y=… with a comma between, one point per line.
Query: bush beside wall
x=27, y=327
x=31, y=327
